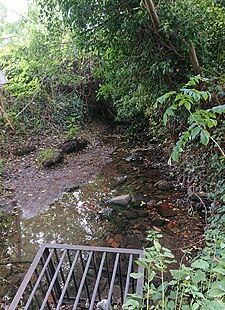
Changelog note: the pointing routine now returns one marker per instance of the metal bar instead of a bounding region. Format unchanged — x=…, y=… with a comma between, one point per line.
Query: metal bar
x=38, y=280
x=67, y=280
x=93, y=249
x=62, y=275
x=95, y=268
x=42, y=291
x=47, y=279
x=132, y=279
x=74, y=279
x=53, y=281
x=51, y=271
x=128, y=276
x=97, y=281
x=86, y=284
x=140, y=282
x=112, y=281
x=121, y=281
x=26, y=279
x=82, y=281
x=107, y=270
x=37, y=300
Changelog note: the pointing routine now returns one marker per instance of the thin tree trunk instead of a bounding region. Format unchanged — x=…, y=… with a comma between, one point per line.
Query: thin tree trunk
x=153, y=14
x=192, y=52
x=4, y=114
x=194, y=59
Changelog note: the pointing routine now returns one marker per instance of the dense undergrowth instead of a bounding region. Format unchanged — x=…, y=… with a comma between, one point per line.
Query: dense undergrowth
x=65, y=55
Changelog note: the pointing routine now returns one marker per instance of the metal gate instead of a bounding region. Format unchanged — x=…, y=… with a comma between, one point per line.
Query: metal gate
x=79, y=277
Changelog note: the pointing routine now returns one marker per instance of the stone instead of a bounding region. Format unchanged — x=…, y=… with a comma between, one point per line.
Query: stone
x=138, y=201
x=165, y=209
x=121, y=201
x=24, y=150
x=56, y=158
x=137, y=221
x=134, y=241
x=142, y=213
x=118, y=238
x=151, y=204
x=111, y=241
x=158, y=222
x=74, y=145
x=120, y=180
x=106, y=211
x=130, y=214
x=164, y=185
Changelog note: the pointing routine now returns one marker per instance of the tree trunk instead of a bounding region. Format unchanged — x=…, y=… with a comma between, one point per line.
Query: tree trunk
x=192, y=52
x=153, y=14
x=194, y=58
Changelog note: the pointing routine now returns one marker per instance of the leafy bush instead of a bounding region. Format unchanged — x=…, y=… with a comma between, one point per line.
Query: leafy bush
x=198, y=286
x=187, y=103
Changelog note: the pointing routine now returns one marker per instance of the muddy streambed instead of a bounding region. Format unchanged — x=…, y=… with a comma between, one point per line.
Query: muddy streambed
x=84, y=214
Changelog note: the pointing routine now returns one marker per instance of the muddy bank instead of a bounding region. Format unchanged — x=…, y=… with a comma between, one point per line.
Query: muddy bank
x=33, y=188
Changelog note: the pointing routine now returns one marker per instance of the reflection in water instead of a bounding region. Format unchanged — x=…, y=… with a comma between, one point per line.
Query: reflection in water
x=75, y=218
x=68, y=221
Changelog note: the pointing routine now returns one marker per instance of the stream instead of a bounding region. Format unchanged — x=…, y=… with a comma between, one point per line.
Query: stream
x=84, y=213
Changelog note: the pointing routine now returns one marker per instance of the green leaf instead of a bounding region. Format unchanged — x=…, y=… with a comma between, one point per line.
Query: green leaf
x=205, y=95
x=199, y=276
x=170, y=305
x=131, y=304
x=204, y=137
x=200, y=264
x=187, y=105
x=216, y=292
x=217, y=305
x=219, y=270
x=136, y=275
x=219, y=109
x=165, y=118
x=157, y=245
x=196, y=95
x=211, y=123
x=195, y=132
x=195, y=306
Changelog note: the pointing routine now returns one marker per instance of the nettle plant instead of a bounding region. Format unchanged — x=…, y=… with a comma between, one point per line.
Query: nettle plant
x=198, y=286
x=199, y=121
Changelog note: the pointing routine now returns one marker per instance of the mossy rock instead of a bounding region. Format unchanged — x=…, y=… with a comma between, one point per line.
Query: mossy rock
x=49, y=157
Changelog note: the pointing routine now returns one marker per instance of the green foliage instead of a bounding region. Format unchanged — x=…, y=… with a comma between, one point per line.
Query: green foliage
x=134, y=63
x=40, y=65
x=73, y=127
x=187, y=102
x=46, y=154
x=199, y=286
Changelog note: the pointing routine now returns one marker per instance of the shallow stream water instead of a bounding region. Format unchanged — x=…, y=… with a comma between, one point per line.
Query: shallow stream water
x=84, y=216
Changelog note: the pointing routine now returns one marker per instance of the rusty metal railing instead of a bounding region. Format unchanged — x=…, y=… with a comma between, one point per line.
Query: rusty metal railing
x=79, y=277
